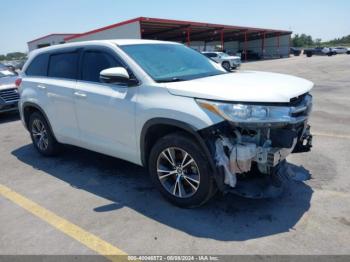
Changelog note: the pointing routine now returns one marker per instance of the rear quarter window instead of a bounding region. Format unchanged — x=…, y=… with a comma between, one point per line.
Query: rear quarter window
x=38, y=66
x=64, y=65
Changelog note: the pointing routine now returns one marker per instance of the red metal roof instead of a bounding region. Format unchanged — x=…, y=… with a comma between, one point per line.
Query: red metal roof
x=168, y=22
x=191, y=23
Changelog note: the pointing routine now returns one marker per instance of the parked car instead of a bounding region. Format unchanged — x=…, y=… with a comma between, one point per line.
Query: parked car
x=2, y=67
x=196, y=127
x=309, y=52
x=251, y=55
x=348, y=51
x=295, y=51
x=12, y=69
x=339, y=50
x=228, y=62
x=9, y=96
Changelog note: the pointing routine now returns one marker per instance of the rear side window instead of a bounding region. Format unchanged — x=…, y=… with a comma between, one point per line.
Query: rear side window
x=94, y=62
x=38, y=67
x=64, y=65
x=212, y=55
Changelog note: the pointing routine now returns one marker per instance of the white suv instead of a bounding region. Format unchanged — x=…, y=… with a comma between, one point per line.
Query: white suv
x=195, y=126
x=228, y=62
x=340, y=50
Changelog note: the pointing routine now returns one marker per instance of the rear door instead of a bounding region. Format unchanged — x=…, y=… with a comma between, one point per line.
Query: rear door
x=105, y=112
x=50, y=80
x=59, y=87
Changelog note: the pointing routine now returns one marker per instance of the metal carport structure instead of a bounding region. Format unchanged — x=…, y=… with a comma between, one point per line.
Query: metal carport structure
x=188, y=32
x=268, y=43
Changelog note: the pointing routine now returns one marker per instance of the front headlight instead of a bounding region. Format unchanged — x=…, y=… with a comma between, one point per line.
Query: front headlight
x=246, y=113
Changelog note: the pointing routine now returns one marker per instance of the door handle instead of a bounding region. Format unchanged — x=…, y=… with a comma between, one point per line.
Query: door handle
x=41, y=86
x=79, y=94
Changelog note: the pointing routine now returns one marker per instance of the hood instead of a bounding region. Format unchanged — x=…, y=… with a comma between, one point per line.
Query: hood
x=243, y=86
x=7, y=82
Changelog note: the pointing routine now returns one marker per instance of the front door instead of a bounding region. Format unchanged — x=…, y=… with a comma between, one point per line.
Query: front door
x=105, y=112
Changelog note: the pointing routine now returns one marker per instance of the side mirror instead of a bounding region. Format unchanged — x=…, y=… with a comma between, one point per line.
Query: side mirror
x=115, y=75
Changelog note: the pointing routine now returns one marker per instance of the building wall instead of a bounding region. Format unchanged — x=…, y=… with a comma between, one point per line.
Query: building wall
x=49, y=40
x=230, y=46
x=271, y=46
x=127, y=31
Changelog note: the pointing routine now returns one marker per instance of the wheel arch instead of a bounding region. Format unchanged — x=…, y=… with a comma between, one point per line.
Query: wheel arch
x=156, y=128
x=28, y=108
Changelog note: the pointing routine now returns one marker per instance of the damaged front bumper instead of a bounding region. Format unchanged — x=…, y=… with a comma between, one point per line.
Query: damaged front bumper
x=250, y=156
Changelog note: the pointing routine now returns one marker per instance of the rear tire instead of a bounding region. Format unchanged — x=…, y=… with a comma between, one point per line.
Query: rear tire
x=180, y=171
x=42, y=136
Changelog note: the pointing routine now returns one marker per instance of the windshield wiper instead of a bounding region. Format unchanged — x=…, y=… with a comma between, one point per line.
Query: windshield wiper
x=172, y=79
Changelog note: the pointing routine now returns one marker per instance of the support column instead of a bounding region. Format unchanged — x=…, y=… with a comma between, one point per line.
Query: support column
x=188, y=36
x=263, y=44
x=245, y=46
x=289, y=44
x=278, y=44
x=222, y=40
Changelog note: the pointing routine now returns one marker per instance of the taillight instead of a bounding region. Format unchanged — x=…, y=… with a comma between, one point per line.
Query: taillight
x=18, y=82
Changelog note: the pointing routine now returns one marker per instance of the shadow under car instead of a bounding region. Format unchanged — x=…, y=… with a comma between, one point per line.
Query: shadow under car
x=225, y=217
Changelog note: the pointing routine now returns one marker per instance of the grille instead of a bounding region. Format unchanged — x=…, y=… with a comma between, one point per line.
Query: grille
x=9, y=95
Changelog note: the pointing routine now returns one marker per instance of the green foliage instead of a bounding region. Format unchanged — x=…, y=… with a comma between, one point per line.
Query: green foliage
x=13, y=56
x=302, y=40
x=339, y=41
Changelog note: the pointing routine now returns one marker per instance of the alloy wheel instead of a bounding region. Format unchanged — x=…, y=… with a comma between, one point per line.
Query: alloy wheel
x=226, y=66
x=178, y=172
x=39, y=133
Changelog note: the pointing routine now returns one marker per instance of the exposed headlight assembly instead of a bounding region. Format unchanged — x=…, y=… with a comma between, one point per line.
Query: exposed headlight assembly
x=246, y=113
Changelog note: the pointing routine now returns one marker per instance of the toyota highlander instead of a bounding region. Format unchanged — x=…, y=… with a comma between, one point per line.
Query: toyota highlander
x=195, y=126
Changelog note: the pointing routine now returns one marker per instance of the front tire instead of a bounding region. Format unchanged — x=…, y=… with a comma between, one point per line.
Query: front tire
x=42, y=136
x=180, y=171
x=226, y=65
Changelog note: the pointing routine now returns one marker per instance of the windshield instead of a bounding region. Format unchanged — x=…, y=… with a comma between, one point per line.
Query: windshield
x=223, y=55
x=171, y=62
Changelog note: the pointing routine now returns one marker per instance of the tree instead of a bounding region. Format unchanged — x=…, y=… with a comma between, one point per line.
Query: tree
x=318, y=41
x=345, y=40
x=15, y=55
x=302, y=40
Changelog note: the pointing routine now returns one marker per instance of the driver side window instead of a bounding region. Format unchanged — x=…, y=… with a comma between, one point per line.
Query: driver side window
x=94, y=62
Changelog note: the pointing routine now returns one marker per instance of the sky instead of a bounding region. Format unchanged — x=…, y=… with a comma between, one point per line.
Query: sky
x=25, y=20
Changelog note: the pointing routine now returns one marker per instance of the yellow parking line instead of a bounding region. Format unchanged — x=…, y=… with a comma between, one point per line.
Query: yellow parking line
x=91, y=241
x=331, y=135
